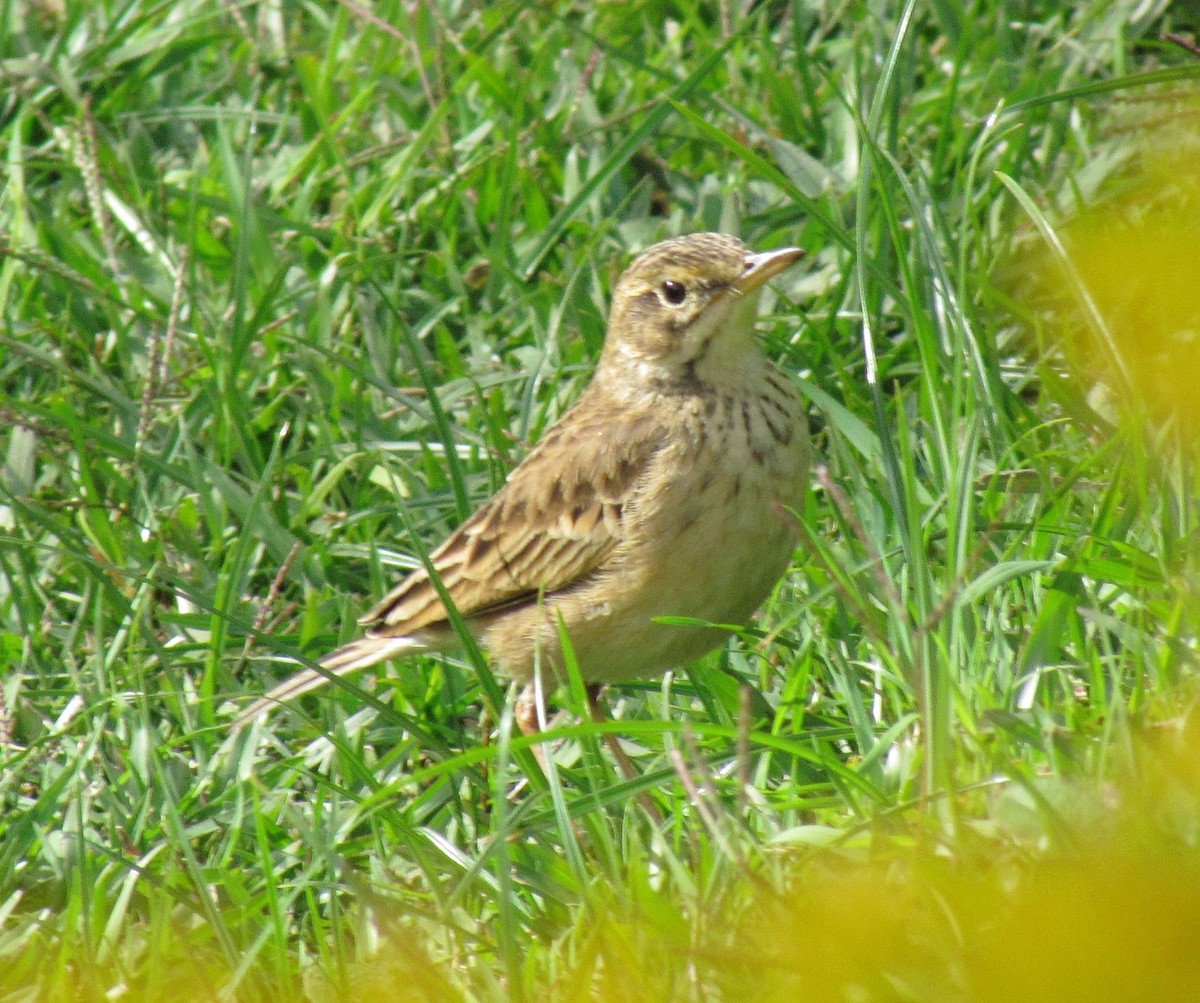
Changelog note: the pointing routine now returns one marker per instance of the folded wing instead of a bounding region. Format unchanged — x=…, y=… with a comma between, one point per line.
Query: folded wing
x=552, y=524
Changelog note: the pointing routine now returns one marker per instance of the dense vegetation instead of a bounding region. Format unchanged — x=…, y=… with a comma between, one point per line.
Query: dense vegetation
x=287, y=288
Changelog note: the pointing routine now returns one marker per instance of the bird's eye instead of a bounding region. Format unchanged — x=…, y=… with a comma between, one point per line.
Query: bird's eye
x=674, y=292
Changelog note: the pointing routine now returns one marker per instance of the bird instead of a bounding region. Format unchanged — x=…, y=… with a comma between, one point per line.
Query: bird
x=671, y=488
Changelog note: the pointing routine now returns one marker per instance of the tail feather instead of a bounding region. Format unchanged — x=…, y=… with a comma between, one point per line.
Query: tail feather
x=356, y=655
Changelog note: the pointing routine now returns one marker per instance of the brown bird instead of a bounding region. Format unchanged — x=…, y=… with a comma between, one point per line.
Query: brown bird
x=666, y=490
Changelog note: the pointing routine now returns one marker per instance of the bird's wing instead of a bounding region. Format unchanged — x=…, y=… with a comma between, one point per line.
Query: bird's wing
x=555, y=520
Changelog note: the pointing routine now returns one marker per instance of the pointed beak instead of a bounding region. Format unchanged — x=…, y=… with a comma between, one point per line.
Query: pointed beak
x=766, y=265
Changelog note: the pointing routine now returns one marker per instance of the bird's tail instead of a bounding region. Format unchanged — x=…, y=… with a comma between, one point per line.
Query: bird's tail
x=360, y=654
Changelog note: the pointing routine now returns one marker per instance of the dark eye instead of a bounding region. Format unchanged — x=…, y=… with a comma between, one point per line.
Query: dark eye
x=674, y=292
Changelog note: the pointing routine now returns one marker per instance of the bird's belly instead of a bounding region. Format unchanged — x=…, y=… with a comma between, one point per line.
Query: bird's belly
x=729, y=541
x=716, y=565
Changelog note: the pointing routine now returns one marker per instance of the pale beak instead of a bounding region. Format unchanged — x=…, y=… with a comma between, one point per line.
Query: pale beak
x=766, y=265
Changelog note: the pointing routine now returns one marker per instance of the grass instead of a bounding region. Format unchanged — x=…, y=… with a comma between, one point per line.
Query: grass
x=287, y=289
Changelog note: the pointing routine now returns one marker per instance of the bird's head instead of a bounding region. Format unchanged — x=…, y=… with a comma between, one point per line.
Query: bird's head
x=685, y=308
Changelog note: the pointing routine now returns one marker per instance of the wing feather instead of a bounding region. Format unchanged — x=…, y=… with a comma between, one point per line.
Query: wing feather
x=555, y=520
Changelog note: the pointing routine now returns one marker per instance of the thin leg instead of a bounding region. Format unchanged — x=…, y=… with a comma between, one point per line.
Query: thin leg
x=624, y=763
x=526, y=715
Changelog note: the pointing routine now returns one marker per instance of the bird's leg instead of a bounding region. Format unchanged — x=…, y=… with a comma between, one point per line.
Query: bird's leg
x=624, y=763
x=525, y=713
